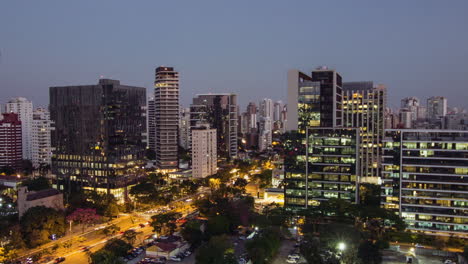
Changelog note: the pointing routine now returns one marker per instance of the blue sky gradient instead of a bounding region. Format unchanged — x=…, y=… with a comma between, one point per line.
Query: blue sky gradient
x=416, y=48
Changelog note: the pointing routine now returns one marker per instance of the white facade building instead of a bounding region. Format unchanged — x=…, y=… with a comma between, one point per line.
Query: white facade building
x=41, y=137
x=24, y=108
x=265, y=134
x=204, y=153
x=436, y=107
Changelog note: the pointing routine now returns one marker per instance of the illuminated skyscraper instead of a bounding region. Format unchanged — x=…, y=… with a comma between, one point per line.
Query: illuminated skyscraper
x=99, y=136
x=41, y=138
x=166, y=102
x=364, y=108
x=425, y=179
x=11, y=150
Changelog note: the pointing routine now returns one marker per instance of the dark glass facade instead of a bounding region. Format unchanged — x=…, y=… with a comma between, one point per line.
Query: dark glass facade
x=99, y=135
x=220, y=111
x=425, y=179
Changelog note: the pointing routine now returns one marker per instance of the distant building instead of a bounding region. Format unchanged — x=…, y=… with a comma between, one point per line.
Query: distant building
x=151, y=124
x=406, y=120
x=265, y=133
x=411, y=104
x=11, y=147
x=184, y=128
x=220, y=111
x=24, y=108
x=99, y=136
x=424, y=179
x=277, y=110
x=41, y=138
x=436, y=107
x=204, y=153
x=458, y=121
x=166, y=102
x=50, y=198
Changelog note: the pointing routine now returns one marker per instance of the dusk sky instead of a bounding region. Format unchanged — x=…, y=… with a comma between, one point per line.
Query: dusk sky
x=416, y=48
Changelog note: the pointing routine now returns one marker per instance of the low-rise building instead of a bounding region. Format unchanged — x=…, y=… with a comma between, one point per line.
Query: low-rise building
x=51, y=198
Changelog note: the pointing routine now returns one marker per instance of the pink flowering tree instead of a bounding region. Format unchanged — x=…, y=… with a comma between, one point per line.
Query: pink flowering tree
x=84, y=216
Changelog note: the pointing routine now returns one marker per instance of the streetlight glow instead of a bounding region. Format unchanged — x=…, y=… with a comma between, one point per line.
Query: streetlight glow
x=341, y=246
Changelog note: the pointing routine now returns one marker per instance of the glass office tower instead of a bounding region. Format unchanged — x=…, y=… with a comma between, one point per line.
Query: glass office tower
x=425, y=179
x=321, y=165
x=99, y=136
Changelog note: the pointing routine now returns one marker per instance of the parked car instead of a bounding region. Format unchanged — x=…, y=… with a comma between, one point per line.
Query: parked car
x=294, y=256
x=174, y=258
x=291, y=260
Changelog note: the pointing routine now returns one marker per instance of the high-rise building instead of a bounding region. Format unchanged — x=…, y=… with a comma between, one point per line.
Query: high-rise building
x=436, y=107
x=251, y=117
x=406, y=118
x=424, y=179
x=11, y=148
x=277, y=109
x=456, y=121
x=265, y=133
x=411, y=104
x=220, y=111
x=321, y=165
x=24, y=108
x=166, y=101
x=151, y=124
x=364, y=108
x=266, y=108
x=99, y=136
x=41, y=138
x=184, y=128
x=314, y=101
x=204, y=154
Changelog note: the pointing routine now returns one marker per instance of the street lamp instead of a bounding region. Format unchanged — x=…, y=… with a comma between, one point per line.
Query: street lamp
x=341, y=246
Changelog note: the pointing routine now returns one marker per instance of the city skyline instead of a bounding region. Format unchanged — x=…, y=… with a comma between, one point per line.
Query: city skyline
x=417, y=50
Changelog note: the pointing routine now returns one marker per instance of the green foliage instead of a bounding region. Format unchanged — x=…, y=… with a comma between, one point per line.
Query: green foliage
x=264, y=246
x=150, y=154
x=7, y=170
x=164, y=224
x=117, y=247
x=37, y=184
x=218, y=250
x=369, y=194
x=39, y=223
x=192, y=233
x=218, y=225
x=105, y=257
x=130, y=236
x=263, y=179
x=369, y=252
x=111, y=230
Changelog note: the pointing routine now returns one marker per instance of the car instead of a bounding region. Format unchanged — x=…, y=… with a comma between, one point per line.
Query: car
x=187, y=253
x=448, y=261
x=291, y=260
x=84, y=249
x=142, y=225
x=419, y=246
x=59, y=260
x=174, y=258
x=294, y=256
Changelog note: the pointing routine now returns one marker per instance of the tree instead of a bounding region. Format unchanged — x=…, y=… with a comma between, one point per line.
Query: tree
x=84, y=216
x=465, y=252
x=368, y=252
x=150, y=154
x=37, y=184
x=111, y=230
x=218, y=225
x=218, y=250
x=112, y=210
x=39, y=223
x=164, y=224
x=117, y=247
x=263, y=247
x=143, y=190
x=130, y=236
x=7, y=170
x=192, y=233
x=105, y=257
